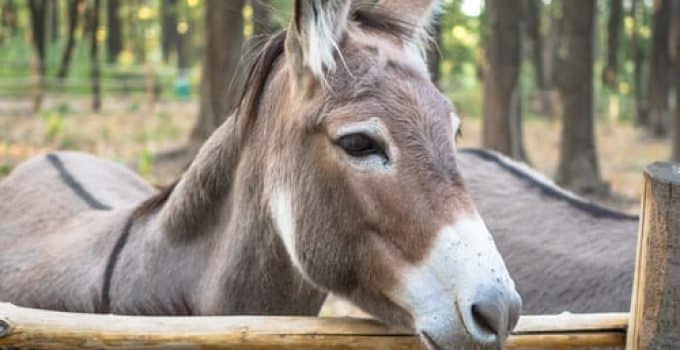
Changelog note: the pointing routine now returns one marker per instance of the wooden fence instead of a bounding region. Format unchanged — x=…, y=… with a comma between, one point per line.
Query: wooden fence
x=654, y=322
x=48, y=329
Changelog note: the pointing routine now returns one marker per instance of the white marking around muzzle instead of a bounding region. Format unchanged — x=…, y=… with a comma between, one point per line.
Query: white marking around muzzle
x=440, y=290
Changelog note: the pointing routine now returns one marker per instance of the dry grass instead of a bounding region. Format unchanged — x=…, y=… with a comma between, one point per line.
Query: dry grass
x=128, y=131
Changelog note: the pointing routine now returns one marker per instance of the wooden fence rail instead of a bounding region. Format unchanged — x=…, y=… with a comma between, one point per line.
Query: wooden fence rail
x=40, y=329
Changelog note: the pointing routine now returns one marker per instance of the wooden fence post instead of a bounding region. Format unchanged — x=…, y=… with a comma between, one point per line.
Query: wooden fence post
x=655, y=306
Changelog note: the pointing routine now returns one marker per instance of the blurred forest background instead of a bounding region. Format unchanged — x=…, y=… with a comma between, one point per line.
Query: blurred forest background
x=586, y=91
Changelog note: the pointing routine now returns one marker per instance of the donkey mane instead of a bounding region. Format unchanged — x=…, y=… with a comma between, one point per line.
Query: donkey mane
x=547, y=188
x=261, y=58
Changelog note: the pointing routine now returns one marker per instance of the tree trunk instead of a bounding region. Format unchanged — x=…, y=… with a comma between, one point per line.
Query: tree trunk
x=578, y=166
x=70, y=41
x=53, y=11
x=9, y=16
x=38, y=11
x=501, y=128
x=532, y=15
x=183, y=40
x=262, y=22
x=675, y=53
x=545, y=97
x=134, y=31
x=169, y=28
x=114, y=38
x=434, y=54
x=94, y=57
x=610, y=71
x=638, y=58
x=658, y=85
x=554, y=41
x=224, y=38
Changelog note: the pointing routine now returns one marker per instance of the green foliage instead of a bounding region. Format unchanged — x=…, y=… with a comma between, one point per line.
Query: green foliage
x=5, y=169
x=54, y=125
x=145, y=162
x=64, y=108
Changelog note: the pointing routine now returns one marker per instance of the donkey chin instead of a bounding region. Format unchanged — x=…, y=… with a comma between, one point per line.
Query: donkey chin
x=461, y=295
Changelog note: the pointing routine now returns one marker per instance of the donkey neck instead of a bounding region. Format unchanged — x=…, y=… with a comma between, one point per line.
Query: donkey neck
x=215, y=219
x=193, y=203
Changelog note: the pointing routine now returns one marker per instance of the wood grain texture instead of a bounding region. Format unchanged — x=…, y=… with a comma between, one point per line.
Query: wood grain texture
x=40, y=329
x=655, y=320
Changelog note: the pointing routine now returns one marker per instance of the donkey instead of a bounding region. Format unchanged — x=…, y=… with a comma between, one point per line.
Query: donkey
x=337, y=173
x=565, y=253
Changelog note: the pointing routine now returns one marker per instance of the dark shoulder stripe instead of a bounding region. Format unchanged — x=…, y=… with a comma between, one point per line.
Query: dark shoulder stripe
x=74, y=185
x=111, y=266
x=550, y=191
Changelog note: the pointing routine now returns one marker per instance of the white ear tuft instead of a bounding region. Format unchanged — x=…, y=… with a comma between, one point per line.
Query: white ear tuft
x=314, y=33
x=419, y=13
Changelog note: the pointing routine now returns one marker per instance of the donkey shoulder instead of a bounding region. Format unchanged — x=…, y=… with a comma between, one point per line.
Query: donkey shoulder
x=70, y=182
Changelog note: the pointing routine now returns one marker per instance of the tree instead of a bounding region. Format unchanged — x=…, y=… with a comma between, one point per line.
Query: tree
x=262, y=22
x=638, y=59
x=73, y=15
x=134, y=30
x=9, y=16
x=533, y=27
x=168, y=27
x=610, y=71
x=183, y=39
x=53, y=20
x=658, y=85
x=675, y=54
x=501, y=129
x=223, y=42
x=546, y=95
x=94, y=56
x=114, y=37
x=38, y=11
x=553, y=43
x=578, y=166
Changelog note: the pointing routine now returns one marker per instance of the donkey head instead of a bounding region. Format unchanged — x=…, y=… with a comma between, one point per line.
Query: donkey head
x=360, y=176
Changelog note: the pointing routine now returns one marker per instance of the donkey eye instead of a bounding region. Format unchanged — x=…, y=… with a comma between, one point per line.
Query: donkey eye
x=359, y=145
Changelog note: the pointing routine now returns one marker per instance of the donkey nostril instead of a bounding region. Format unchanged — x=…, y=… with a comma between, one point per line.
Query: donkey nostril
x=489, y=317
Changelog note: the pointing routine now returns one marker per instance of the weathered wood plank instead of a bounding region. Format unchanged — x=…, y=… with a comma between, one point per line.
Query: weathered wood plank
x=40, y=329
x=655, y=306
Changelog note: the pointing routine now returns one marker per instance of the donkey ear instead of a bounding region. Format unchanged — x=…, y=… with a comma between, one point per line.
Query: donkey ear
x=313, y=36
x=419, y=13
